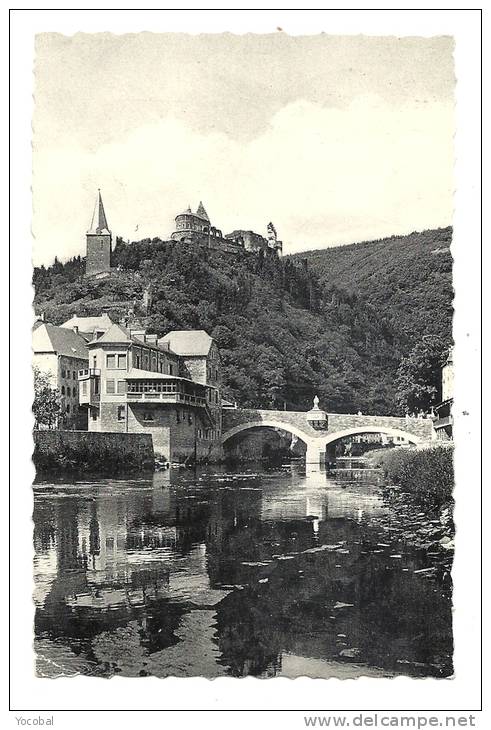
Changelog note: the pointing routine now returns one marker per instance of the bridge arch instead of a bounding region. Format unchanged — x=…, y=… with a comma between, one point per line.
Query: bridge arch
x=267, y=423
x=316, y=445
x=355, y=430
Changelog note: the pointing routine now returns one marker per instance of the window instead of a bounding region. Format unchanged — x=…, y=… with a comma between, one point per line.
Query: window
x=148, y=416
x=137, y=362
x=74, y=374
x=94, y=361
x=116, y=361
x=110, y=386
x=171, y=369
x=121, y=386
x=63, y=373
x=84, y=387
x=68, y=374
x=68, y=407
x=121, y=413
x=63, y=390
x=93, y=413
x=96, y=386
x=68, y=391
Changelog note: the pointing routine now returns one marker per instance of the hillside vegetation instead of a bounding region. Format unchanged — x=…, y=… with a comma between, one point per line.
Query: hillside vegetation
x=287, y=329
x=408, y=279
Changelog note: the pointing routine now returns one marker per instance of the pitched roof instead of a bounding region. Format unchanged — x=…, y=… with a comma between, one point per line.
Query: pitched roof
x=99, y=222
x=137, y=374
x=89, y=324
x=118, y=334
x=115, y=333
x=49, y=338
x=188, y=342
x=201, y=212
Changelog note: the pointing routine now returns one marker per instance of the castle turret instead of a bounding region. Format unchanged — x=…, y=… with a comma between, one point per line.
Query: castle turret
x=192, y=226
x=201, y=212
x=98, y=259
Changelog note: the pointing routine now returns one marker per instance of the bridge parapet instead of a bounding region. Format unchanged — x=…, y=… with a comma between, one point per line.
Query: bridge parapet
x=338, y=425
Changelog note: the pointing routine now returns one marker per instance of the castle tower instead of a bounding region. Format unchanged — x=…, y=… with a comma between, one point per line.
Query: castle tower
x=201, y=212
x=273, y=240
x=98, y=259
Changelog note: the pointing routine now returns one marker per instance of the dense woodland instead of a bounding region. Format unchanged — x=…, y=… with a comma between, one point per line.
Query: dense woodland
x=408, y=281
x=364, y=326
x=407, y=278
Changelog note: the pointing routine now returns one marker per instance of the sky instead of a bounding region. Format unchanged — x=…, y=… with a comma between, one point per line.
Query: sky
x=334, y=139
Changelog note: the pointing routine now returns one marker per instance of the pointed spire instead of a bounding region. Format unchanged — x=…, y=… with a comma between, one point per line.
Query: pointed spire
x=201, y=212
x=99, y=222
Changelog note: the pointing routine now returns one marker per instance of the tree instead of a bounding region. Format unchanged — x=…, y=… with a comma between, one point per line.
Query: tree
x=46, y=406
x=418, y=380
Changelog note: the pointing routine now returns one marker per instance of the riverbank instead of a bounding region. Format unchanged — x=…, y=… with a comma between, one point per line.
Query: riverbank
x=426, y=475
x=419, y=487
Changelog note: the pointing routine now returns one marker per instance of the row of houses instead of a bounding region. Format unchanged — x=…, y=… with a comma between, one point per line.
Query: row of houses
x=117, y=378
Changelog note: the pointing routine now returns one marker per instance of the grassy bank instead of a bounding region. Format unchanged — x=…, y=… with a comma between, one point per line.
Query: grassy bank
x=426, y=475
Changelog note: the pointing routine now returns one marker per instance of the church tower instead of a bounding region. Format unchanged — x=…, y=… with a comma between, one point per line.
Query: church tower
x=98, y=259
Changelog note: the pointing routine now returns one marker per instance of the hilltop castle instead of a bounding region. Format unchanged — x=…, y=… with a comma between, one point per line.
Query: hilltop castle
x=196, y=227
x=189, y=228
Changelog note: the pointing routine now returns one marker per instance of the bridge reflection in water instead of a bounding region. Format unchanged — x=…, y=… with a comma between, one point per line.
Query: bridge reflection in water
x=219, y=573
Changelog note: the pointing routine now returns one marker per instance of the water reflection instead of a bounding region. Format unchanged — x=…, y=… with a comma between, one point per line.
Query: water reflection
x=263, y=573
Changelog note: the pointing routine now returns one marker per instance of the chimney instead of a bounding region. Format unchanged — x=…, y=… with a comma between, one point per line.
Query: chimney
x=139, y=333
x=151, y=339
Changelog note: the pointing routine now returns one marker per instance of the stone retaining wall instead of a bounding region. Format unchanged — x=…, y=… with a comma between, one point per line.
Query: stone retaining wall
x=92, y=451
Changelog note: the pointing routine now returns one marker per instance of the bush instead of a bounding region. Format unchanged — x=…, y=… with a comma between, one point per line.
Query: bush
x=427, y=475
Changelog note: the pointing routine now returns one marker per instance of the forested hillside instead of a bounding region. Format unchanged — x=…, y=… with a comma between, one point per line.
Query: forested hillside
x=408, y=279
x=335, y=322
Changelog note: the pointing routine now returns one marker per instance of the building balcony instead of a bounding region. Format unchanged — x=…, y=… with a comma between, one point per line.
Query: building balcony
x=89, y=391
x=89, y=373
x=183, y=399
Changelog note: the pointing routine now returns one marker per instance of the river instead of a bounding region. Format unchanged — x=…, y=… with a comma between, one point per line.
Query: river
x=220, y=573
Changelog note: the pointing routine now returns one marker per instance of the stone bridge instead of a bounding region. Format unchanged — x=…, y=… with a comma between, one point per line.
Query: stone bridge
x=339, y=425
